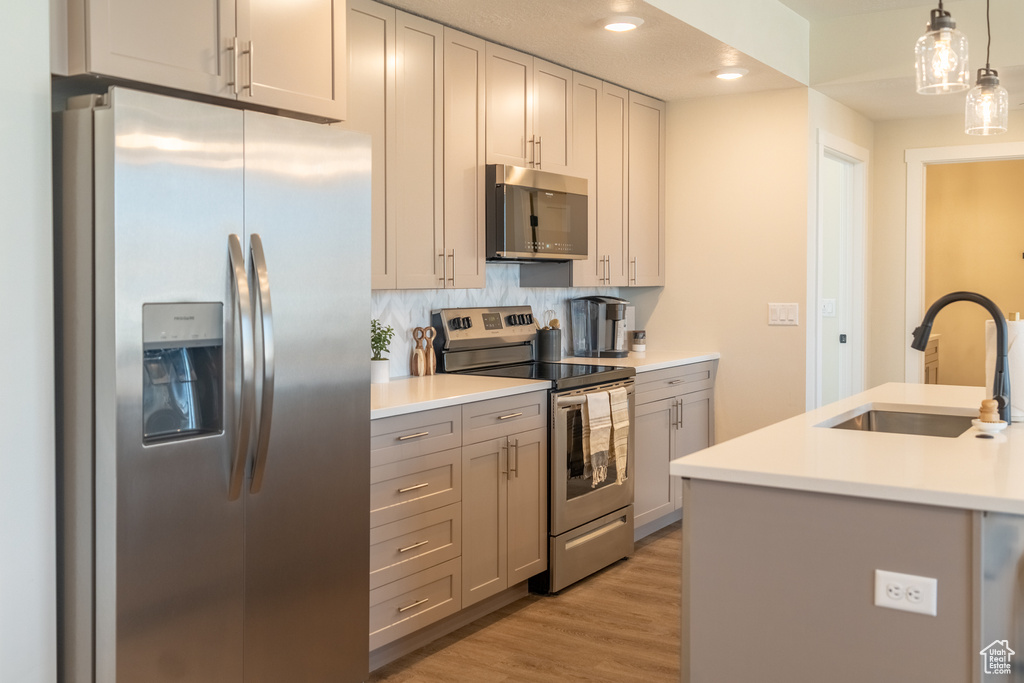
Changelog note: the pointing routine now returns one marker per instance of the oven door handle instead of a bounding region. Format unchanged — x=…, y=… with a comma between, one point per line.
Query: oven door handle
x=570, y=401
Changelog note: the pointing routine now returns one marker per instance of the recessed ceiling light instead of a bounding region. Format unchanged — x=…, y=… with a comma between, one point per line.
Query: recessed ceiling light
x=730, y=73
x=622, y=23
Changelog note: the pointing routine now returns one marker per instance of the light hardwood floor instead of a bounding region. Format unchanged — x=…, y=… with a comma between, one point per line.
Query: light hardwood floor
x=621, y=624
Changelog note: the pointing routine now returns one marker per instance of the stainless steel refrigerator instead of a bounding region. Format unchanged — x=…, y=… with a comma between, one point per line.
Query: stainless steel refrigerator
x=214, y=296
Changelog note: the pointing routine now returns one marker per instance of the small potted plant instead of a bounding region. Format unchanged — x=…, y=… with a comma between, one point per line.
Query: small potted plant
x=380, y=343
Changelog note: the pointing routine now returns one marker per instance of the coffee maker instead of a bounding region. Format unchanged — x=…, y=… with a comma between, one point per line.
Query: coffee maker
x=599, y=327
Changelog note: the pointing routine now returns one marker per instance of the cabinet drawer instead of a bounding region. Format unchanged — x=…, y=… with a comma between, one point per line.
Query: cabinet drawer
x=682, y=379
x=407, y=436
x=415, y=485
x=406, y=605
x=496, y=417
x=409, y=545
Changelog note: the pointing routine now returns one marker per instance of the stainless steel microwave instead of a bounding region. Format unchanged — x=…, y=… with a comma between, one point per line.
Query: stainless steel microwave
x=535, y=215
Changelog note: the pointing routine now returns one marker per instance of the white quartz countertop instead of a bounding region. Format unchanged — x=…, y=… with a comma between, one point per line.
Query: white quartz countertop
x=657, y=359
x=963, y=472
x=411, y=394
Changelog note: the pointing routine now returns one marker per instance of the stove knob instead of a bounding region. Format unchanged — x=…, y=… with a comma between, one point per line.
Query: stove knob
x=510, y=319
x=455, y=323
x=529, y=318
x=467, y=323
x=522, y=319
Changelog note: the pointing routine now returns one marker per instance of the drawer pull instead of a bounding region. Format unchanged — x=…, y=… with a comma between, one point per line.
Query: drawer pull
x=677, y=381
x=414, y=545
x=415, y=604
x=505, y=417
x=413, y=488
x=413, y=436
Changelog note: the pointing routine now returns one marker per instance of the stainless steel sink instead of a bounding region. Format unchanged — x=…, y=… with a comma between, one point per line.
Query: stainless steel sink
x=898, y=422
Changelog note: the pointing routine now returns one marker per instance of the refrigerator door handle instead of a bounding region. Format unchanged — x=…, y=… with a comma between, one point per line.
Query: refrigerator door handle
x=266, y=327
x=246, y=397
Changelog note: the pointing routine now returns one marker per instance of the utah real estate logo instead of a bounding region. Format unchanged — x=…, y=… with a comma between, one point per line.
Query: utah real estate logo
x=997, y=657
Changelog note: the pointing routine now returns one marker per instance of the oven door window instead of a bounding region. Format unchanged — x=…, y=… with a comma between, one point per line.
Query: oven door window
x=579, y=477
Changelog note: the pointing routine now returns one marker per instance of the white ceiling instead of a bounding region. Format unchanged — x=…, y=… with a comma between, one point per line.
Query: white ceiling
x=670, y=60
x=816, y=10
x=665, y=58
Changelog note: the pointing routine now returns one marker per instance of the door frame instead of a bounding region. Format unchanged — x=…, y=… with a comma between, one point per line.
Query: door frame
x=917, y=160
x=829, y=144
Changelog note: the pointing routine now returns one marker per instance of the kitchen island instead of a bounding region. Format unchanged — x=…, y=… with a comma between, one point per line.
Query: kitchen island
x=784, y=528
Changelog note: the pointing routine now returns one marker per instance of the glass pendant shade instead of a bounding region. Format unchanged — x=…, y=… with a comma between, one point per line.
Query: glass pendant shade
x=941, y=57
x=988, y=106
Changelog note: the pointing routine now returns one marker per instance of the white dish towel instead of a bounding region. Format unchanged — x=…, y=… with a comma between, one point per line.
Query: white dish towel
x=597, y=431
x=619, y=400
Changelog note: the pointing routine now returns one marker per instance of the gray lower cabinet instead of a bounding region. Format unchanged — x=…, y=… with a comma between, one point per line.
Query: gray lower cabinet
x=504, y=531
x=458, y=500
x=415, y=522
x=674, y=417
x=505, y=513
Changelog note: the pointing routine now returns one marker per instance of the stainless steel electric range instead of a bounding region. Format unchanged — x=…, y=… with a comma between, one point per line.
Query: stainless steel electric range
x=589, y=525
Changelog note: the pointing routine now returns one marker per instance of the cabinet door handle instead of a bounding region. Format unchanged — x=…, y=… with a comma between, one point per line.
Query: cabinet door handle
x=413, y=436
x=413, y=488
x=415, y=604
x=632, y=262
x=452, y=278
x=233, y=49
x=505, y=465
x=413, y=546
x=673, y=419
x=249, y=51
x=533, y=148
x=536, y=151
x=680, y=409
x=444, y=267
x=506, y=417
x=516, y=468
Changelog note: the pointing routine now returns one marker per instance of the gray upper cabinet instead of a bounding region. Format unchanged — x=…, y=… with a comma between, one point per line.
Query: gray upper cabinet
x=417, y=88
x=287, y=57
x=416, y=192
x=371, y=84
x=600, y=144
x=529, y=111
x=464, y=201
x=294, y=55
x=646, y=191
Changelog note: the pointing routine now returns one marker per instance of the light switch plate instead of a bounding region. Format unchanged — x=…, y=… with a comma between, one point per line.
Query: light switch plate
x=783, y=314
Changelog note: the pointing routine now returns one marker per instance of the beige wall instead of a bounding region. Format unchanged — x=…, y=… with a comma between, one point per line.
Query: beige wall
x=973, y=242
x=887, y=334
x=736, y=223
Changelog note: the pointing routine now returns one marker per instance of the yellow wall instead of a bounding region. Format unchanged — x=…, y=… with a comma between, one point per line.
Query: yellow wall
x=888, y=337
x=973, y=242
x=736, y=224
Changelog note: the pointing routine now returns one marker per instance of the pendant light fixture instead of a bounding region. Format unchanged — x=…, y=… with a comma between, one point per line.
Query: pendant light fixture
x=988, y=104
x=941, y=56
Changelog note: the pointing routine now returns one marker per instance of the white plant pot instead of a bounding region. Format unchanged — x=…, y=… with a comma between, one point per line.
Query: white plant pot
x=380, y=371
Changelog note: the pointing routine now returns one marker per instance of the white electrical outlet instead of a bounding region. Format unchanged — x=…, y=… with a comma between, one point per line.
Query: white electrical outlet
x=906, y=592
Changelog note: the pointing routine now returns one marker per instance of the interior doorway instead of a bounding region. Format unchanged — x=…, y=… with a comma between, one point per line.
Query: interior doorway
x=838, y=272
x=973, y=242
x=918, y=160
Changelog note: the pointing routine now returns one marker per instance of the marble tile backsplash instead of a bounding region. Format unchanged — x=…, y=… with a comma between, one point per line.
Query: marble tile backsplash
x=406, y=309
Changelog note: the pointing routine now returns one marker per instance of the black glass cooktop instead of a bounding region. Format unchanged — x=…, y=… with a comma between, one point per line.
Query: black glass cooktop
x=563, y=375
